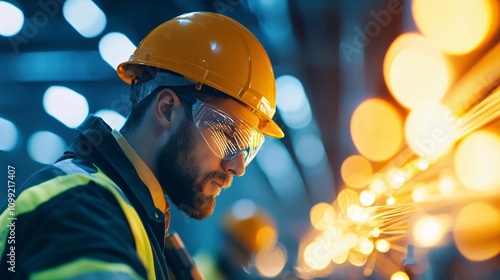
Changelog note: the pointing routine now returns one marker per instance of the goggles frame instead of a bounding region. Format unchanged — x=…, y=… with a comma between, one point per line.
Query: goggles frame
x=226, y=135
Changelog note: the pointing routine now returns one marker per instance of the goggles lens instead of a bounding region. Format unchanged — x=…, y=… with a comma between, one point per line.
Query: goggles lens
x=226, y=135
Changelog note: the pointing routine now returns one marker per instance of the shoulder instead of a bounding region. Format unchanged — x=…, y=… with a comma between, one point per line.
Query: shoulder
x=68, y=210
x=68, y=188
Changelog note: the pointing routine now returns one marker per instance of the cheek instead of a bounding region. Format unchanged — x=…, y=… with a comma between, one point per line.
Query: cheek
x=202, y=155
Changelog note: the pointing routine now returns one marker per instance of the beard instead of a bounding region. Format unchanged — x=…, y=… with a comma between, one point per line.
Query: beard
x=180, y=176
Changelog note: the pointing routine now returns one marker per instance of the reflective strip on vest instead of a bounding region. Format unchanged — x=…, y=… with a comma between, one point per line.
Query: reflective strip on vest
x=34, y=196
x=85, y=268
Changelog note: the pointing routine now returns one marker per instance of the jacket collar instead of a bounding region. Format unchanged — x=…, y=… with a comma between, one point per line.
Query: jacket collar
x=100, y=146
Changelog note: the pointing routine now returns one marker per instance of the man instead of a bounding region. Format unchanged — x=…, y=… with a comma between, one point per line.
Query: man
x=203, y=96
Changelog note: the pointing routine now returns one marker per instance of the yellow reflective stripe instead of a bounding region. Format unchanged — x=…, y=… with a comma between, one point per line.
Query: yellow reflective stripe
x=143, y=247
x=33, y=197
x=80, y=267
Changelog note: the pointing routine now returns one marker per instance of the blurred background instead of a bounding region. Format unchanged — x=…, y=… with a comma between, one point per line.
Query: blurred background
x=390, y=168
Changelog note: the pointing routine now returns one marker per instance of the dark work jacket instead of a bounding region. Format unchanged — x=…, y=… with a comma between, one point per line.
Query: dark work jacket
x=83, y=216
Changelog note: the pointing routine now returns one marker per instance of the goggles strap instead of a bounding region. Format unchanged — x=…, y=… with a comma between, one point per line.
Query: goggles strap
x=151, y=80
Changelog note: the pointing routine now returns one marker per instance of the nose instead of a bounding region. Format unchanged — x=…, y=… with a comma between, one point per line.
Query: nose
x=235, y=165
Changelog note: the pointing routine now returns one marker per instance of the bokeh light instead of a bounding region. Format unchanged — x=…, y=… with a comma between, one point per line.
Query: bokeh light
x=457, y=27
x=419, y=193
x=422, y=164
x=357, y=258
x=477, y=161
x=271, y=261
x=400, y=275
x=356, y=171
x=428, y=231
x=322, y=215
x=265, y=237
x=376, y=129
x=243, y=209
x=292, y=102
x=477, y=231
x=114, y=119
x=340, y=258
x=447, y=185
x=367, y=197
x=430, y=130
x=12, y=19
x=346, y=198
x=390, y=201
x=378, y=185
x=115, y=48
x=10, y=135
x=396, y=178
x=357, y=213
x=45, y=147
x=85, y=16
x=383, y=245
x=65, y=105
x=316, y=256
x=365, y=246
x=415, y=70
x=350, y=239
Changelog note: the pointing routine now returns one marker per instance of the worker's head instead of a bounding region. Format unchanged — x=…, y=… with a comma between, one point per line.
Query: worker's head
x=202, y=83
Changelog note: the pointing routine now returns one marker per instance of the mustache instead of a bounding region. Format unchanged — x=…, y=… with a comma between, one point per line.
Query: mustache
x=219, y=178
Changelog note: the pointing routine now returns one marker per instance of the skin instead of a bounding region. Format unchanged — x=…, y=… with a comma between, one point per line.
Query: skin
x=189, y=172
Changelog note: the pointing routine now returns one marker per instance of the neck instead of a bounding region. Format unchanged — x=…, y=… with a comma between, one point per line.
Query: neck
x=144, y=144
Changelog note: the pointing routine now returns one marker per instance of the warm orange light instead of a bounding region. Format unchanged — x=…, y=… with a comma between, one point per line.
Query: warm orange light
x=378, y=185
x=477, y=231
x=429, y=230
x=367, y=197
x=340, y=258
x=419, y=193
x=430, y=130
x=350, y=239
x=356, y=171
x=415, y=70
x=357, y=214
x=365, y=246
x=346, y=198
x=390, y=201
x=376, y=129
x=316, y=256
x=400, y=275
x=447, y=185
x=357, y=258
x=382, y=245
x=477, y=161
x=265, y=237
x=457, y=27
x=322, y=216
x=271, y=261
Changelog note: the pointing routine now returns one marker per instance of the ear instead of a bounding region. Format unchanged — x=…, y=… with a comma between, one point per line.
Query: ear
x=165, y=108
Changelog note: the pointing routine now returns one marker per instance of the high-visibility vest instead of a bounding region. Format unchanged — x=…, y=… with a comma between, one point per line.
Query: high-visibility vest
x=33, y=197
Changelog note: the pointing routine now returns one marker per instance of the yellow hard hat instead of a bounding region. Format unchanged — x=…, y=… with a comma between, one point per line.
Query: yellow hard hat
x=214, y=50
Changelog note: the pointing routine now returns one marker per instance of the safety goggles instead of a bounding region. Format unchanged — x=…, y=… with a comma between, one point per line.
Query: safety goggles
x=227, y=136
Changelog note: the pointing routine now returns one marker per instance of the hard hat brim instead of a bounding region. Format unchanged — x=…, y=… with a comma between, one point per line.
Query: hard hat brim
x=272, y=129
